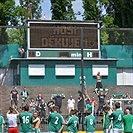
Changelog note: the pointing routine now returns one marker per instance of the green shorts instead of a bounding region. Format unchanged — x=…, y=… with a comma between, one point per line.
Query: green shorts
x=36, y=130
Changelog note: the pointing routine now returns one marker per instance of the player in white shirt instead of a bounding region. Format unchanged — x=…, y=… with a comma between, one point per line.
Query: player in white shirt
x=12, y=120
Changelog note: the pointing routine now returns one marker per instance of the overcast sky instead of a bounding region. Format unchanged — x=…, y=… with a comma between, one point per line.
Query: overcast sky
x=46, y=5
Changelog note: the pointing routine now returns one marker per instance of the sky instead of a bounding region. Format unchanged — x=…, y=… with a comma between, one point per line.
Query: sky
x=46, y=5
x=77, y=6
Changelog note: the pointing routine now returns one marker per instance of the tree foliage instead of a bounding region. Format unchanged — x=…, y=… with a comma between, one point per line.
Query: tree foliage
x=91, y=10
x=14, y=15
x=62, y=10
x=30, y=9
x=112, y=14
x=15, y=36
x=8, y=15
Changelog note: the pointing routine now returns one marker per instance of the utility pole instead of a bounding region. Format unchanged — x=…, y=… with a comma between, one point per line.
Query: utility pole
x=30, y=5
x=82, y=75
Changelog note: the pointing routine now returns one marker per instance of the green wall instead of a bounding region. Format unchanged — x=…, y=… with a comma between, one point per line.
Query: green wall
x=124, y=54
x=6, y=51
x=51, y=80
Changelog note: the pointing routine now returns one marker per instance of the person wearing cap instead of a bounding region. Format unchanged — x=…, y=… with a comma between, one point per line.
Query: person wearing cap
x=128, y=120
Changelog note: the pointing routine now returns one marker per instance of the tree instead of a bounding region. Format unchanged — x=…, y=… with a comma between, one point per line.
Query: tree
x=113, y=14
x=62, y=10
x=92, y=10
x=8, y=16
x=70, y=12
x=120, y=13
x=15, y=15
x=15, y=36
x=30, y=9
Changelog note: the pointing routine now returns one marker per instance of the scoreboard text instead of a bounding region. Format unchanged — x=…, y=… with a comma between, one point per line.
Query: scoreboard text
x=50, y=35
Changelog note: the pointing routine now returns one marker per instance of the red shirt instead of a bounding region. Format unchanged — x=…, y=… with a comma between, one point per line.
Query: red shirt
x=94, y=101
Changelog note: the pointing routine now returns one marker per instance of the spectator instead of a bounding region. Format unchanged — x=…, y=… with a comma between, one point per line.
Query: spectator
x=50, y=106
x=36, y=122
x=39, y=100
x=55, y=121
x=101, y=97
x=116, y=117
x=80, y=106
x=127, y=103
x=58, y=100
x=14, y=96
x=21, y=51
x=128, y=96
x=42, y=110
x=26, y=120
x=93, y=101
x=32, y=105
x=12, y=115
x=99, y=81
x=24, y=95
x=70, y=103
x=2, y=122
x=88, y=104
x=87, y=99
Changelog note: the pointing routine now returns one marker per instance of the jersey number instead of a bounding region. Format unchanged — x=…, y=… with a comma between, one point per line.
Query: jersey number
x=91, y=121
x=56, y=121
x=119, y=118
x=75, y=123
x=25, y=119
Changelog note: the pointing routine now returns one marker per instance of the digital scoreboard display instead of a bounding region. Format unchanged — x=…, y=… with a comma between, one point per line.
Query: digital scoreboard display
x=62, y=35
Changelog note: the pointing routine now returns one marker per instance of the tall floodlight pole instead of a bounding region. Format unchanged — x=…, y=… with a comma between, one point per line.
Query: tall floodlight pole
x=82, y=75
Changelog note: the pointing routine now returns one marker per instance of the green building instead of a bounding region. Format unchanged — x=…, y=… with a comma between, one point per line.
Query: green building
x=58, y=54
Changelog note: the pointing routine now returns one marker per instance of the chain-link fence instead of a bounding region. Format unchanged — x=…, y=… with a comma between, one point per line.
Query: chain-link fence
x=47, y=33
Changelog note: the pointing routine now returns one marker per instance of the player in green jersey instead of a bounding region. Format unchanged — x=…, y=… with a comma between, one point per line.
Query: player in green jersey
x=73, y=121
x=107, y=122
x=89, y=122
x=128, y=120
x=116, y=117
x=26, y=120
x=2, y=122
x=55, y=121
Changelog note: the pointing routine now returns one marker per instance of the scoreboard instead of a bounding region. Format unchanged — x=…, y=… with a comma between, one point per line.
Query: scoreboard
x=54, y=39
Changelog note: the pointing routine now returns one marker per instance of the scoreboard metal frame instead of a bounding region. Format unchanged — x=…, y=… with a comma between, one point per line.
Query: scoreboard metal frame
x=54, y=25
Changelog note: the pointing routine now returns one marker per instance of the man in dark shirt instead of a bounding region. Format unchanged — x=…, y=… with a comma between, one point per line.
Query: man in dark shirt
x=50, y=106
x=39, y=100
x=101, y=97
x=42, y=110
x=58, y=100
x=14, y=97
